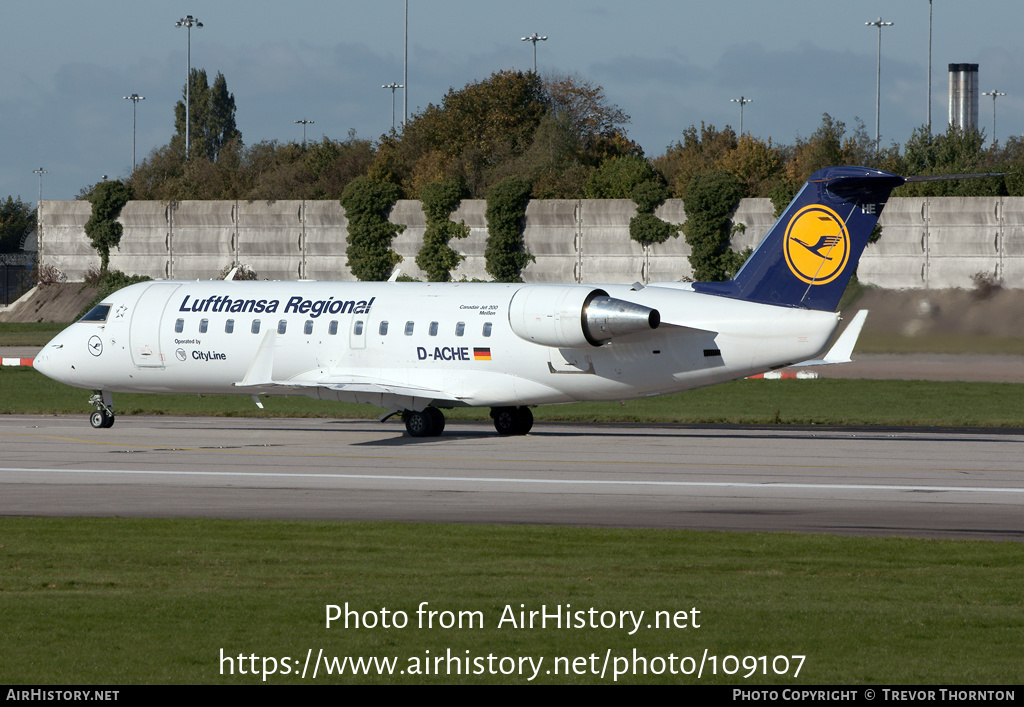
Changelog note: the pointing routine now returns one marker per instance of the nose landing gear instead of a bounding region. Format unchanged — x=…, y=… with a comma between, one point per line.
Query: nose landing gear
x=103, y=416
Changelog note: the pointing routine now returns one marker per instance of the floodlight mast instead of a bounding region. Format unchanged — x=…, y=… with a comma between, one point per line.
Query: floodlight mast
x=534, y=38
x=742, y=101
x=995, y=94
x=188, y=22
x=393, y=86
x=304, y=123
x=134, y=98
x=878, y=82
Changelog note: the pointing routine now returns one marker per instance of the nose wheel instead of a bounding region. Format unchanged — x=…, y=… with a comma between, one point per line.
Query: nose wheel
x=103, y=416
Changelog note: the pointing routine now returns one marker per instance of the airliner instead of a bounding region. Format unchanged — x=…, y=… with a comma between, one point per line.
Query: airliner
x=416, y=349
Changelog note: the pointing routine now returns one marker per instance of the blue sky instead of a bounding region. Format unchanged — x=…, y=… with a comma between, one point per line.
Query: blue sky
x=67, y=65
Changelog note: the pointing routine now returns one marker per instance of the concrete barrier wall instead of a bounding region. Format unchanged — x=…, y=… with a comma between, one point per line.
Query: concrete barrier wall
x=926, y=242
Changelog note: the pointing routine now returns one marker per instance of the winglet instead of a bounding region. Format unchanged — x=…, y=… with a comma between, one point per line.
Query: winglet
x=842, y=350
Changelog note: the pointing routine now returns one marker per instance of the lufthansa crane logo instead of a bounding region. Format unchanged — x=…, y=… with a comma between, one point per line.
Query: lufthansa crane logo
x=817, y=245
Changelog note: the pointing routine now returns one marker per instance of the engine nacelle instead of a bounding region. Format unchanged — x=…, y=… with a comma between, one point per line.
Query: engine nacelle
x=573, y=316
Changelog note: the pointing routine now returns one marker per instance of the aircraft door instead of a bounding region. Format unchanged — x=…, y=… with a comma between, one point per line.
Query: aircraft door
x=146, y=325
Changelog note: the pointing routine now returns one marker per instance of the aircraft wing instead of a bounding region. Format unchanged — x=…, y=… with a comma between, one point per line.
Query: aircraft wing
x=349, y=386
x=259, y=378
x=842, y=350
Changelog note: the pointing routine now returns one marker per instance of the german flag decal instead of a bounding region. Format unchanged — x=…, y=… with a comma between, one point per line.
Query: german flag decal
x=481, y=354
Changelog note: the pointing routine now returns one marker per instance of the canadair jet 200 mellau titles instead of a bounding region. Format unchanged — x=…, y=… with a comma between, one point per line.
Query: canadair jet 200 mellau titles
x=416, y=348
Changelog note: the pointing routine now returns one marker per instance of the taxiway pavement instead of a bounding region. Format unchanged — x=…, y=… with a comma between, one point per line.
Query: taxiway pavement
x=949, y=483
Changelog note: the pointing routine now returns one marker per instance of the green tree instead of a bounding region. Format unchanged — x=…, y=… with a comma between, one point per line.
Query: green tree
x=436, y=257
x=367, y=205
x=486, y=124
x=710, y=200
x=823, y=149
x=616, y=178
x=211, y=117
x=102, y=228
x=954, y=152
x=505, y=254
x=699, y=151
x=598, y=126
x=17, y=220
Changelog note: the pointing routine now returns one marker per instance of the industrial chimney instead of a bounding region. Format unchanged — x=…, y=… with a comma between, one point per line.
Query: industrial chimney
x=963, y=96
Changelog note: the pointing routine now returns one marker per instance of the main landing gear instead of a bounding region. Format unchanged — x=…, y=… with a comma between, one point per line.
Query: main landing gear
x=428, y=422
x=512, y=421
x=103, y=416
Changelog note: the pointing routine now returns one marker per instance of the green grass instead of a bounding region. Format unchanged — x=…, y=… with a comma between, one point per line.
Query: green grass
x=118, y=601
x=32, y=334
x=822, y=401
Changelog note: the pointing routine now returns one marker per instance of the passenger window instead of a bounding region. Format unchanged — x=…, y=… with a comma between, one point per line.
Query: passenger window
x=433, y=328
x=408, y=328
x=460, y=328
x=359, y=327
x=255, y=326
x=229, y=326
x=282, y=326
x=383, y=329
x=487, y=328
x=308, y=329
x=204, y=324
x=179, y=325
x=333, y=328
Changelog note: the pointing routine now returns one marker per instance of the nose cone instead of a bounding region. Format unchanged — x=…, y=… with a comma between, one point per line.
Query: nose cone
x=54, y=361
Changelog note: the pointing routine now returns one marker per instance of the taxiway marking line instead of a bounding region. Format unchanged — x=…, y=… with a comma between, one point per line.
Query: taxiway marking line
x=512, y=480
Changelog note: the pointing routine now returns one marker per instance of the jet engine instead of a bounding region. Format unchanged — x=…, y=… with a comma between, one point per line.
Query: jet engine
x=567, y=316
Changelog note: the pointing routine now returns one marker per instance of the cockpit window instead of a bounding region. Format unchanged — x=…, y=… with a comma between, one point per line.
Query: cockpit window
x=97, y=314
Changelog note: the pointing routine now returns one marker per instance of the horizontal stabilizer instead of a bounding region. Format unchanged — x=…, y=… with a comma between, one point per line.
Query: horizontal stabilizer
x=945, y=177
x=842, y=350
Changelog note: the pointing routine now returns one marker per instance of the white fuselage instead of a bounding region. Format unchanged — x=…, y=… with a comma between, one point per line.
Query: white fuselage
x=453, y=338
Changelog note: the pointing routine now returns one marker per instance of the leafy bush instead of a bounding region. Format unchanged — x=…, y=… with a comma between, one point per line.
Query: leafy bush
x=711, y=198
x=436, y=257
x=506, y=216
x=102, y=228
x=367, y=205
x=110, y=282
x=244, y=272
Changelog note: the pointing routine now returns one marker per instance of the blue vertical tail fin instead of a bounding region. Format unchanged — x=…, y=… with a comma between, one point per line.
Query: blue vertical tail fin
x=811, y=252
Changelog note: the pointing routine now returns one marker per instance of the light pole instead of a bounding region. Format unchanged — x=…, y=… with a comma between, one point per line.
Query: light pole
x=878, y=82
x=534, y=38
x=188, y=22
x=929, y=67
x=40, y=172
x=995, y=94
x=405, y=74
x=134, y=98
x=742, y=101
x=393, y=86
x=304, y=123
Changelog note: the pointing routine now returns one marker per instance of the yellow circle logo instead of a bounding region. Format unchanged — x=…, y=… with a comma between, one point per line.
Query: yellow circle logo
x=817, y=245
